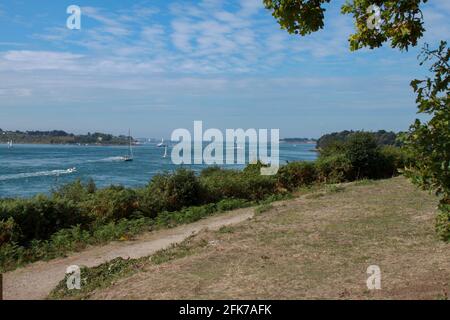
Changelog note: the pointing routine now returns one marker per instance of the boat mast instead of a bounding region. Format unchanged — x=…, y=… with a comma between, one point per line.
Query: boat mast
x=131, y=149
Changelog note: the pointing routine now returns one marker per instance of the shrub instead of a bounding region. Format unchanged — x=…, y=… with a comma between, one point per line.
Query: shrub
x=170, y=192
x=443, y=220
x=392, y=161
x=40, y=217
x=222, y=184
x=69, y=239
x=212, y=170
x=74, y=191
x=254, y=168
x=362, y=151
x=258, y=187
x=297, y=174
x=333, y=148
x=11, y=255
x=123, y=228
x=8, y=231
x=334, y=169
x=226, y=184
x=112, y=204
x=360, y=157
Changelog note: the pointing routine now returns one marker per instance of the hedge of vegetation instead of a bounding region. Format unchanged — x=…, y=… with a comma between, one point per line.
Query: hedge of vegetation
x=78, y=214
x=382, y=137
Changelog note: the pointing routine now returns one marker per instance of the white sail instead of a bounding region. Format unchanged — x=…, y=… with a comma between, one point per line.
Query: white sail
x=165, y=152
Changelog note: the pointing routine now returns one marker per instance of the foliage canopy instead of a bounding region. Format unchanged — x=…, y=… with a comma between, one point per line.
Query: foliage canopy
x=401, y=20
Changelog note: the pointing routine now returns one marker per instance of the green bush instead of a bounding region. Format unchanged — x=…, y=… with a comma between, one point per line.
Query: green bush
x=8, y=231
x=75, y=191
x=363, y=152
x=334, y=169
x=11, y=255
x=360, y=157
x=443, y=220
x=220, y=184
x=212, y=170
x=297, y=174
x=112, y=204
x=227, y=184
x=120, y=229
x=393, y=160
x=69, y=239
x=333, y=148
x=254, y=168
x=170, y=192
x=258, y=187
x=40, y=217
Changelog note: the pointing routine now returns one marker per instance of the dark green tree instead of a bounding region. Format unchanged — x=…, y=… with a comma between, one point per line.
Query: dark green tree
x=363, y=153
x=429, y=141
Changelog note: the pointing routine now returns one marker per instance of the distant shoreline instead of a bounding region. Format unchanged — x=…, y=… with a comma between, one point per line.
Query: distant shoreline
x=70, y=144
x=59, y=137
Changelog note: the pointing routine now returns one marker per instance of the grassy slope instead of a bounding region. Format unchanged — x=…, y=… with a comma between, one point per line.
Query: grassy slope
x=317, y=246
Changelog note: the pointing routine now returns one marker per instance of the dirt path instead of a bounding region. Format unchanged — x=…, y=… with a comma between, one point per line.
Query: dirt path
x=36, y=280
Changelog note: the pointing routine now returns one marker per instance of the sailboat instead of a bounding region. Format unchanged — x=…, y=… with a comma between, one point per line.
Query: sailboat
x=165, y=152
x=10, y=144
x=129, y=156
x=161, y=144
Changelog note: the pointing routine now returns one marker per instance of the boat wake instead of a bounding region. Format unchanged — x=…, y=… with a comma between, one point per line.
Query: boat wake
x=37, y=174
x=108, y=159
x=111, y=159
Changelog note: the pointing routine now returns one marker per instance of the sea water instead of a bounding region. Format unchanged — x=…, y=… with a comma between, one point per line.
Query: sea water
x=26, y=170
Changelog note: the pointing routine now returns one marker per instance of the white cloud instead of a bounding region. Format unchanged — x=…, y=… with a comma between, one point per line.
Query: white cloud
x=109, y=25
x=20, y=60
x=250, y=7
x=210, y=36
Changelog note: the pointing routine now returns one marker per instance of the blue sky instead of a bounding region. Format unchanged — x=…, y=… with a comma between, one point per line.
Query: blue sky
x=157, y=65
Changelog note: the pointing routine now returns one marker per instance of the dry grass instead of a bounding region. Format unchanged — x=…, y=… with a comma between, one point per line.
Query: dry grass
x=314, y=247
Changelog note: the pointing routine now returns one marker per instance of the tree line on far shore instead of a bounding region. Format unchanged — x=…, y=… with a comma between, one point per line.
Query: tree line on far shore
x=382, y=137
x=60, y=137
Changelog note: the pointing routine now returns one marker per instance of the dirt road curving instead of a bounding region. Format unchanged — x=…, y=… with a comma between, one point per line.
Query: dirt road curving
x=35, y=281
